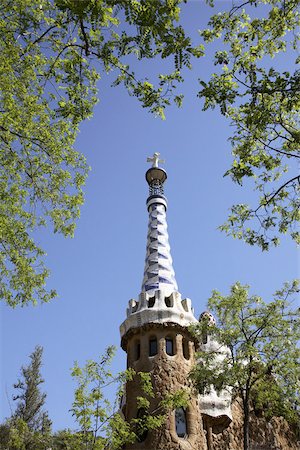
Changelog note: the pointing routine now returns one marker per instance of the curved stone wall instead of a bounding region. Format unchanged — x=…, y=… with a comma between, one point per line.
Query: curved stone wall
x=169, y=374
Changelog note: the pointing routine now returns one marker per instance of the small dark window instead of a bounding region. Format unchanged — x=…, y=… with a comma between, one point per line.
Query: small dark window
x=204, y=337
x=185, y=305
x=151, y=302
x=180, y=422
x=169, y=346
x=152, y=346
x=140, y=426
x=169, y=301
x=185, y=347
x=137, y=350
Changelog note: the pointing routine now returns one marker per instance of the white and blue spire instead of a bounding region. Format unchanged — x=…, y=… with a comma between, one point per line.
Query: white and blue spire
x=160, y=301
x=159, y=273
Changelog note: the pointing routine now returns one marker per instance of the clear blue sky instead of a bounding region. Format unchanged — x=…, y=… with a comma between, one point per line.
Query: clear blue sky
x=98, y=271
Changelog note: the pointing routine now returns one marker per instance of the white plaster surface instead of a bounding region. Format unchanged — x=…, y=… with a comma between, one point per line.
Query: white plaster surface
x=159, y=273
x=160, y=309
x=216, y=404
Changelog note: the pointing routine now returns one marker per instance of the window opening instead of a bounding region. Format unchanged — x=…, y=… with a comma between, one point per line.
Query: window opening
x=137, y=350
x=169, y=301
x=152, y=347
x=185, y=306
x=185, y=347
x=151, y=302
x=169, y=346
x=180, y=422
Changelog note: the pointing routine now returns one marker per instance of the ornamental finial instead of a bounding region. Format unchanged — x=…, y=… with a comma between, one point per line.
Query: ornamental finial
x=155, y=159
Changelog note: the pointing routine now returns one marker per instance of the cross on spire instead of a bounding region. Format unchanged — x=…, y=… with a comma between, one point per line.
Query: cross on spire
x=155, y=159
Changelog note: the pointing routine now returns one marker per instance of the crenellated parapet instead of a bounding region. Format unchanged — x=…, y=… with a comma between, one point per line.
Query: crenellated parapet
x=158, y=308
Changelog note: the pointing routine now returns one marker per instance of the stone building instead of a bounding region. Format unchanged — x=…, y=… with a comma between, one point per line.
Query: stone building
x=156, y=338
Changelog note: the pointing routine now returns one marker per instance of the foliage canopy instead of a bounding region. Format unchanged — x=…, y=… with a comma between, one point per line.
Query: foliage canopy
x=52, y=55
x=262, y=362
x=260, y=95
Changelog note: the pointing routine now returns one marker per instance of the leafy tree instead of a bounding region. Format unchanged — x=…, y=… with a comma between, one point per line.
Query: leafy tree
x=4, y=436
x=30, y=399
x=261, y=98
x=262, y=363
x=16, y=435
x=52, y=55
x=101, y=424
x=54, y=52
x=90, y=408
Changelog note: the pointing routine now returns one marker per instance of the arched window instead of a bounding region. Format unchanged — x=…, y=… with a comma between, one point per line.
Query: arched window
x=140, y=426
x=170, y=346
x=180, y=422
x=137, y=350
x=185, y=348
x=152, y=346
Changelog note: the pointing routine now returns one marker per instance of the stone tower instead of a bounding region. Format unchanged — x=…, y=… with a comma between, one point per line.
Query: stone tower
x=155, y=333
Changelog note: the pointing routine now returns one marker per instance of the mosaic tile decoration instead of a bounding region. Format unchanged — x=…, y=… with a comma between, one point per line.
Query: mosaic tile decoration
x=159, y=273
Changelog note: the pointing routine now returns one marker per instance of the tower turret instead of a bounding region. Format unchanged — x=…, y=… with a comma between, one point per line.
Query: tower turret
x=155, y=333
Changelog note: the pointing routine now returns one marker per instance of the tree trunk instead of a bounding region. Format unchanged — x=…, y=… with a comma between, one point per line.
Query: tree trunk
x=246, y=425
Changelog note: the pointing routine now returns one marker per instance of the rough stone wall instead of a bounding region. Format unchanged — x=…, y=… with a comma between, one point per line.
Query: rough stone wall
x=169, y=373
x=273, y=434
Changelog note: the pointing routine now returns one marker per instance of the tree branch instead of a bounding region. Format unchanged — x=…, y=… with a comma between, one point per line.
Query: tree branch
x=293, y=155
x=85, y=38
x=278, y=190
x=38, y=39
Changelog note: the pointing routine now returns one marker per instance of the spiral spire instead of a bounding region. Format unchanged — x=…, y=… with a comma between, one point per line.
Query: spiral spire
x=159, y=273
